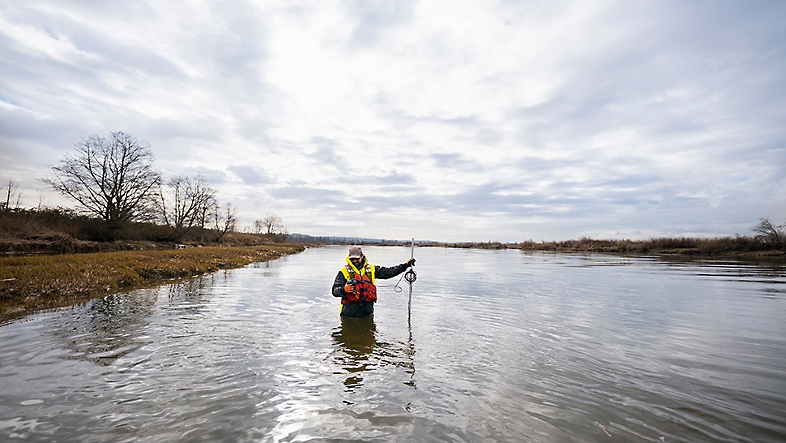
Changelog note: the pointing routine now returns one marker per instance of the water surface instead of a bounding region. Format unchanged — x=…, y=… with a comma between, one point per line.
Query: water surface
x=498, y=346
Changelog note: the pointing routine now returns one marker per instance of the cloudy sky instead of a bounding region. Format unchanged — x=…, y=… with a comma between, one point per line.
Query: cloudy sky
x=442, y=120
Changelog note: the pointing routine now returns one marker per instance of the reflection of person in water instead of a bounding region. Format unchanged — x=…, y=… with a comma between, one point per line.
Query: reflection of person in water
x=357, y=338
x=359, y=351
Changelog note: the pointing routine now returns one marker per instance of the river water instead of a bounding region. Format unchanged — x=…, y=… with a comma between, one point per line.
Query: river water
x=497, y=346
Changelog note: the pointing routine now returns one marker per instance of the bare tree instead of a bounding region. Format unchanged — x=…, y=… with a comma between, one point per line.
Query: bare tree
x=773, y=234
x=224, y=219
x=257, y=228
x=205, y=213
x=273, y=224
x=111, y=178
x=182, y=204
x=43, y=202
x=13, y=197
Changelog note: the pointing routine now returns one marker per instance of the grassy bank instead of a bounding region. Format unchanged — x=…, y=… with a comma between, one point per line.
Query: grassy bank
x=736, y=246
x=62, y=231
x=31, y=283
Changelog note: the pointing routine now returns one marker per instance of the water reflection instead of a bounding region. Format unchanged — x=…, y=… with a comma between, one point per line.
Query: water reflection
x=108, y=328
x=356, y=337
x=359, y=351
x=190, y=297
x=112, y=327
x=269, y=268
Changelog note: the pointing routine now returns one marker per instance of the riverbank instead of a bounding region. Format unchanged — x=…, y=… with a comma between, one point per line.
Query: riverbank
x=34, y=283
x=737, y=247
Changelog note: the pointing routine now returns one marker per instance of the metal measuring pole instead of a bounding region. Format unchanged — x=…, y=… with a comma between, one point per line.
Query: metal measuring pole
x=410, y=280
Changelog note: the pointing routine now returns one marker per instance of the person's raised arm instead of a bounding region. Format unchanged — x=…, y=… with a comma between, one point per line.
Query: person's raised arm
x=383, y=272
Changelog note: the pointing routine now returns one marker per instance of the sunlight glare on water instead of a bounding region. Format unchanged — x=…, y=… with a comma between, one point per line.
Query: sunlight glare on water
x=499, y=346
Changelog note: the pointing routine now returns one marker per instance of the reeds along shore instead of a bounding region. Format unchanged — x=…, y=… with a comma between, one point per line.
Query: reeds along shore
x=31, y=283
x=718, y=246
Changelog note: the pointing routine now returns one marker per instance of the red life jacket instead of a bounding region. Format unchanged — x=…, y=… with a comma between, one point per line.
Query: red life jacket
x=364, y=284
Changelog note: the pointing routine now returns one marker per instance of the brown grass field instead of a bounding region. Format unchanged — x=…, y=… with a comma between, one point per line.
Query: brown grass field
x=33, y=283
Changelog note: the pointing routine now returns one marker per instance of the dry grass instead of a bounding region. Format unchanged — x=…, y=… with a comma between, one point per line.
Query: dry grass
x=62, y=231
x=719, y=246
x=30, y=283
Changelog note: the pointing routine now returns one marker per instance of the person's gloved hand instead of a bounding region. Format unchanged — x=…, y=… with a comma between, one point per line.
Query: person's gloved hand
x=349, y=288
x=410, y=262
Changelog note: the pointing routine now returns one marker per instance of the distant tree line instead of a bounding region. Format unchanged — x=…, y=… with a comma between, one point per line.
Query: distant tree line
x=270, y=225
x=114, y=179
x=337, y=240
x=767, y=237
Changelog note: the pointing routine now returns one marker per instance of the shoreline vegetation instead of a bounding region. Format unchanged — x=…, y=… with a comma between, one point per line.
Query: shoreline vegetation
x=31, y=283
x=689, y=247
x=738, y=247
x=769, y=245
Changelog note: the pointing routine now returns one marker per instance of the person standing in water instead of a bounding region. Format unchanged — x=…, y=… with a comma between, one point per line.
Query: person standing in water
x=355, y=283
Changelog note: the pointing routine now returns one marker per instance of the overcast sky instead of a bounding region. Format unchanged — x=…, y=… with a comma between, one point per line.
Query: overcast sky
x=442, y=120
